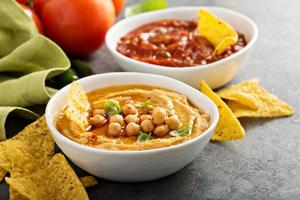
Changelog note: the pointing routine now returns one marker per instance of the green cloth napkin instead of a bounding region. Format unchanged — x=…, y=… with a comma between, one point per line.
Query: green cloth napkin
x=27, y=59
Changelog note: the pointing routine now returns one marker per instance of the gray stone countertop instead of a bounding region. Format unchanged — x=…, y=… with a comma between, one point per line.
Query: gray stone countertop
x=264, y=165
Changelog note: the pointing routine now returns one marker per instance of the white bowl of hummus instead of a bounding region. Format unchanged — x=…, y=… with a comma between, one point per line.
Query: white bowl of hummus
x=131, y=127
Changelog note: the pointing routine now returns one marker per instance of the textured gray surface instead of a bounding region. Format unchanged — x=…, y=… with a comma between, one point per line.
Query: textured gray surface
x=266, y=164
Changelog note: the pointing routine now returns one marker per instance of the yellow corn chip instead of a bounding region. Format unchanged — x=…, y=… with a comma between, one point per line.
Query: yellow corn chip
x=248, y=99
x=2, y=173
x=228, y=127
x=78, y=107
x=216, y=31
x=14, y=195
x=28, y=151
x=241, y=93
x=56, y=182
x=20, y=161
x=38, y=139
x=240, y=110
x=3, y=159
x=88, y=181
x=226, y=42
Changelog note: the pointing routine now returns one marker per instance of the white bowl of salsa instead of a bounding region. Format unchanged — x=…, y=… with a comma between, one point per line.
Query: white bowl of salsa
x=132, y=165
x=186, y=66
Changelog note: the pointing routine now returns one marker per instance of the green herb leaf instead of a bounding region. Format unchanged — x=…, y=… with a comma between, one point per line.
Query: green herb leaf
x=143, y=104
x=143, y=137
x=181, y=131
x=112, y=107
x=145, y=6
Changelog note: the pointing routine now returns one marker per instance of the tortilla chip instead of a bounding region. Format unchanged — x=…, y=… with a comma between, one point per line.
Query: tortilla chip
x=56, y=182
x=78, y=106
x=14, y=195
x=241, y=93
x=88, y=181
x=3, y=159
x=20, y=161
x=216, y=31
x=248, y=99
x=228, y=127
x=28, y=151
x=2, y=173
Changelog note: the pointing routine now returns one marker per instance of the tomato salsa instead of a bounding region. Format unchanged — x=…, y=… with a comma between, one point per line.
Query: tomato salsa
x=174, y=43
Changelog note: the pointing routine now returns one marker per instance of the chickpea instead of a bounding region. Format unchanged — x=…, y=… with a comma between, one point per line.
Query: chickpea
x=129, y=109
x=114, y=129
x=132, y=118
x=161, y=130
x=118, y=119
x=159, y=115
x=144, y=117
x=97, y=120
x=173, y=122
x=132, y=129
x=147, y=126
x=98, y=112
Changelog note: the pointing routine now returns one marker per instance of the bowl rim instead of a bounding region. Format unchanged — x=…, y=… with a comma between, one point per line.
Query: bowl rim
x=56, y=134
x=217, y=63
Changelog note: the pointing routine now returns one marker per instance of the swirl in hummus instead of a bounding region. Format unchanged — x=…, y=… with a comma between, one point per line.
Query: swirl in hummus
x=136, y=117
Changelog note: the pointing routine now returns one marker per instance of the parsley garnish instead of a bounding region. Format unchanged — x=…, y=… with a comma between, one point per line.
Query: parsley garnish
x=112, y=107
x=143, y=104
x=143, y=137
x=181, y=131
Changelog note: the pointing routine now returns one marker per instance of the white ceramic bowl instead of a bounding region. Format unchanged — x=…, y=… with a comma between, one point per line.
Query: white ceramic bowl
x=215, y=74
x=132, y=166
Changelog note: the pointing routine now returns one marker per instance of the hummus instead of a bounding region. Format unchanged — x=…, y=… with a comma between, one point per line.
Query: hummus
x=143, y=101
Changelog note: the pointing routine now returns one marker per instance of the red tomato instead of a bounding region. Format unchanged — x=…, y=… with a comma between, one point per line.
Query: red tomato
x=119, y=4
x=34, y=17
x=38, y=6
x=22, y=1
x=78, y=26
